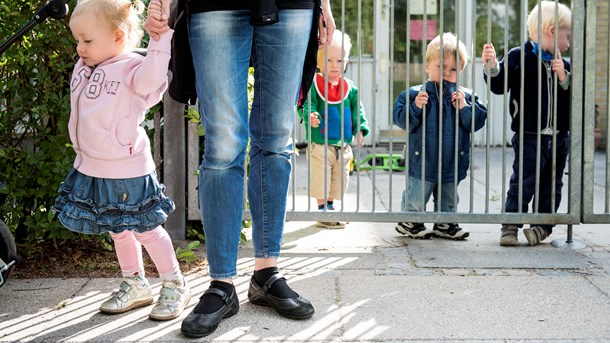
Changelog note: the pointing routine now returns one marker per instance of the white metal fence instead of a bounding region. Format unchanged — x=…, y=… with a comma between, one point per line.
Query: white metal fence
x=374, y=192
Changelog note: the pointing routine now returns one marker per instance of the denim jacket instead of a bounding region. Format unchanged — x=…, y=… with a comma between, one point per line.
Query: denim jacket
x=432, y=125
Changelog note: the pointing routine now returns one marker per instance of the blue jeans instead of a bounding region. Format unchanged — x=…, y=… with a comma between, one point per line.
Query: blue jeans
x=223, y=43
x=430, y=188
x=529, y=173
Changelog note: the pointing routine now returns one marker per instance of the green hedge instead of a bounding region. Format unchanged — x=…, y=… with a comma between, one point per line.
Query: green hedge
x=34, y=111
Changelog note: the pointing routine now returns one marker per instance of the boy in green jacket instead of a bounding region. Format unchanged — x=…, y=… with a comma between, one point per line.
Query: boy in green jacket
x=335, y=119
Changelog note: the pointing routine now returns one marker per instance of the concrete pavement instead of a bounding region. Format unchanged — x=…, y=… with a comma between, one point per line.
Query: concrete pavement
x=368, y=284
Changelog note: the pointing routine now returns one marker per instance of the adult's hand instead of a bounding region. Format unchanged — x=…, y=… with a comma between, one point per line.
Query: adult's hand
x=326, y=27
x=156, y=27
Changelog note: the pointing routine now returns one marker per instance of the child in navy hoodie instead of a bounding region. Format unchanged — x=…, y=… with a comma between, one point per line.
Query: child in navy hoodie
x=550, y=125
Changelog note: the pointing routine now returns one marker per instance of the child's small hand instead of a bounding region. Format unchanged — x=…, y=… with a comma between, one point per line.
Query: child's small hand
x=459, y=98
x=359, y=139
x=489, y=56
x=156, y=21
x=155, y=10
x=557, y=66
x=421, y=100
x=314, y=120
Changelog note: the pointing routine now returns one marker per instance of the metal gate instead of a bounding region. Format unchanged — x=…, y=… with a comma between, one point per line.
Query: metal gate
x=374, y=193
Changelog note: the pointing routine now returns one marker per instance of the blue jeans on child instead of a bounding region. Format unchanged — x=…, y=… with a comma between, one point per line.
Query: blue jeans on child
x=223, y=44
x=529, y=173
x=430, y=188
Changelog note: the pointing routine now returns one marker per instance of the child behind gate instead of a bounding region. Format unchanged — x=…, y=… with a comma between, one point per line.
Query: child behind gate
x=550, y=125
x=411, y=104
x=330, y=160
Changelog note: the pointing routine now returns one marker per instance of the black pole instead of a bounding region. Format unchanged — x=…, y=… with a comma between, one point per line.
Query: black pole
x=55, y=9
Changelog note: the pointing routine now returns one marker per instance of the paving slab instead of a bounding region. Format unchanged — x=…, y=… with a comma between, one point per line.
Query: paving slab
x=482, y=308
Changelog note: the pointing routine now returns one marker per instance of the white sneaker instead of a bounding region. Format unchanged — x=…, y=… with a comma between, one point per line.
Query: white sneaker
x=132, y=293
x=173, y=298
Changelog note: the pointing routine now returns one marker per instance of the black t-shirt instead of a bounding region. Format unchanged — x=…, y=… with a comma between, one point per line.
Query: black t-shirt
x=219, y=5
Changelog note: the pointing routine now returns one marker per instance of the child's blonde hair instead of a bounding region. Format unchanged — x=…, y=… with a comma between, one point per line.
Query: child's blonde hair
x=347, y=42
x=451, y=47
x=547, y=13
x=119, y=14
x=336, y=41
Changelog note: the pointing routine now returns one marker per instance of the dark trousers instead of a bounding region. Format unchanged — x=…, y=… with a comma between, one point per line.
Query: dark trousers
x=529, y=173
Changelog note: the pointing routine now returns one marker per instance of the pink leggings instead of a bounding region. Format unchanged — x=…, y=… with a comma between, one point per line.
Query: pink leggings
x=128, y=246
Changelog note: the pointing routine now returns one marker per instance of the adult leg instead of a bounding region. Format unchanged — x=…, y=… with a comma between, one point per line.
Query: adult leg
x=278, y=53
x=220, y=44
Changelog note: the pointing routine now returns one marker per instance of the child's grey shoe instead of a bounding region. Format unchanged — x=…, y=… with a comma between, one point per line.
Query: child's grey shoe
x=414, y=230
x=450, y=231
x=173, y=298
x=508, y=236
x=132, y=293
x=535, y=235
x=331, y=225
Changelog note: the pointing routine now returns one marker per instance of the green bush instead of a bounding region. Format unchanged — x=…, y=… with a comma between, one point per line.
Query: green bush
x=34, y=111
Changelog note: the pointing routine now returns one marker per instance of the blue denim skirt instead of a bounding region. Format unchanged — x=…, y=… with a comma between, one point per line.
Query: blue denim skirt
x=94, y=205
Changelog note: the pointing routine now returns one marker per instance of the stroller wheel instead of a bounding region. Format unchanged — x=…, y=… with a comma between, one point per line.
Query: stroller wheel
x=8, y=252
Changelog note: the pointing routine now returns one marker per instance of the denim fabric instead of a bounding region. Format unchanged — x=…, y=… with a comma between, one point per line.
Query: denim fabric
x=529, y=173
x=93, y=205
x=430, y=188
x=223, y=43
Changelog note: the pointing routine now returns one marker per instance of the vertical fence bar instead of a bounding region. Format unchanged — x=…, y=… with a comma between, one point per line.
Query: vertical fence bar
x=473, y=49
x=457, y=107
x=342, y=108
x=521, y=104
x=488, y=105
x=374, y=117
x=607, y=181
x=391, y=86
x=556, y=53
x=424, y=119
x=439, y=180
x=505, y=108
x=357, y=155
x=405, y=198
x=539, y=109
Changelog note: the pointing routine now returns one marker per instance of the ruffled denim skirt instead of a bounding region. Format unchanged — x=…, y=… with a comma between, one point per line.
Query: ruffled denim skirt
x=94, y=205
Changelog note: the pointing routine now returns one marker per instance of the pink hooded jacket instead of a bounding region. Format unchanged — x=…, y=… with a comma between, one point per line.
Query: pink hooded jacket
x=108, y=104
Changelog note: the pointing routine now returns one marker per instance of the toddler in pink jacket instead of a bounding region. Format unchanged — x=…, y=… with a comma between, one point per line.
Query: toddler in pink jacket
x=113, y=185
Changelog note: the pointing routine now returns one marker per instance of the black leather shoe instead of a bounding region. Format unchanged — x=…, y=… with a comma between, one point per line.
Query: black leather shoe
x=293, y=308
x=199, y=325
